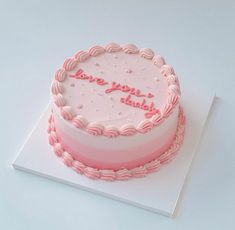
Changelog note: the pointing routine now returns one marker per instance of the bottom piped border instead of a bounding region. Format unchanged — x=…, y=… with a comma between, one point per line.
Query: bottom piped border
x=122, y=174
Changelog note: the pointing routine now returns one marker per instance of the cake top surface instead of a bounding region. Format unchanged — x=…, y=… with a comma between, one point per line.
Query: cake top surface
x=115, y=90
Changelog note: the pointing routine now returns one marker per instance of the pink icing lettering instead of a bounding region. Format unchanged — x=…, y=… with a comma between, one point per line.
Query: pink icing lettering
x=101, y=81
x=125, y=88
x=114, y=86
x=150, y=108
x=82, y=76
x=152, y=112
x=150, y=95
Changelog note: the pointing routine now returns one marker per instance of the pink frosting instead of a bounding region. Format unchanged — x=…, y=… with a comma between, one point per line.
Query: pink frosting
x=79, y=121
x=69, y=112
x=70, y=64
x=156, y=119
x=58, y=149
x=60, y=75
x=57, y=87
x=96, y=50
x=167, y=70
x=172, y=79
x=129, y=157
x=91, y=173
x=147, y=53
x=124, y=173
x=174, y=89
x=95, y=128
x=81, y=56
x=113, y=47
x=130, y=49
x=145, y=126
x=127, y=130
x=158, y=61
x=67, y=158
x=111, y=131
x=59, y=100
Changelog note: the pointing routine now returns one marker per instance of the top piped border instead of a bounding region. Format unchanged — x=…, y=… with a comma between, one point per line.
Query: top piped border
x=95, y=128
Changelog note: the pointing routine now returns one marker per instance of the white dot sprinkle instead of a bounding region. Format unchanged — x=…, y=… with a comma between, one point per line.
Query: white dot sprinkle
x=129, y=71
x=80, y=106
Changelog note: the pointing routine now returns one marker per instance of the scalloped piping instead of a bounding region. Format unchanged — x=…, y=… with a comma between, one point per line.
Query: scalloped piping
x=97, y=129
x=122, y=174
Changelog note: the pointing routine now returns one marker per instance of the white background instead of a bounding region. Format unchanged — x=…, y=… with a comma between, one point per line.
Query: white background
x=197, y=38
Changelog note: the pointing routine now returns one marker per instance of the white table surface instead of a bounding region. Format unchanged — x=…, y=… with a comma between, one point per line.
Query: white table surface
x=197, y=38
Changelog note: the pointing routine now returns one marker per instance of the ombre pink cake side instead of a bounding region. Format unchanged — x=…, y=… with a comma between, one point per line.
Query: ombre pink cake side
x=115, y=108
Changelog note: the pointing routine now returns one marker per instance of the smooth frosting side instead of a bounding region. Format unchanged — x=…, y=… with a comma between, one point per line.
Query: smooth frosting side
x=69, y=97
x=121, y=174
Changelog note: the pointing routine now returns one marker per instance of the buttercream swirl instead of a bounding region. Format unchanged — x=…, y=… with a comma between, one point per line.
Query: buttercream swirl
x=127, y=130
x=111, y=131
x=158, y=61
x=167, y=110
x=81, y=56
x=59, y=100
x=50, y=119
x=57, y=87
x=60, y=75
x=174, y=89
x=139, y=171
x=112, y=47
x=70, y=64
x=166, y=70
x=130, y=49
x=108, y=175
x=146, y=53
x=173, y=99
x=96, y=50
x=78, y=166
x=91, y=173
x=153, y=166
x=156, y=119
x=58, y=149
x=52, y=126
x=79, y=121
x=95, y=128
x=52, y=138
x=172, y=79
x=123, y=174
x=144, y=126
x=67, y=112
x=67, y=158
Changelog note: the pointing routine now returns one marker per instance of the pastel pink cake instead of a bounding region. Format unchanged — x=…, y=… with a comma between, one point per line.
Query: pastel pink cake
x=115, y=112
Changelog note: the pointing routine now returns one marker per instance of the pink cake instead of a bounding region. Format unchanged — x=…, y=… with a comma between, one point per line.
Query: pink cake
x=115, y=112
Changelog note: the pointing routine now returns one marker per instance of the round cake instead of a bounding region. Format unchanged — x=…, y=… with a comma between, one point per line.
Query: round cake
x=115, y=112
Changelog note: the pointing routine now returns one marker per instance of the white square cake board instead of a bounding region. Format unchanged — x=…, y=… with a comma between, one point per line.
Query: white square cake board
x=158, y=192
